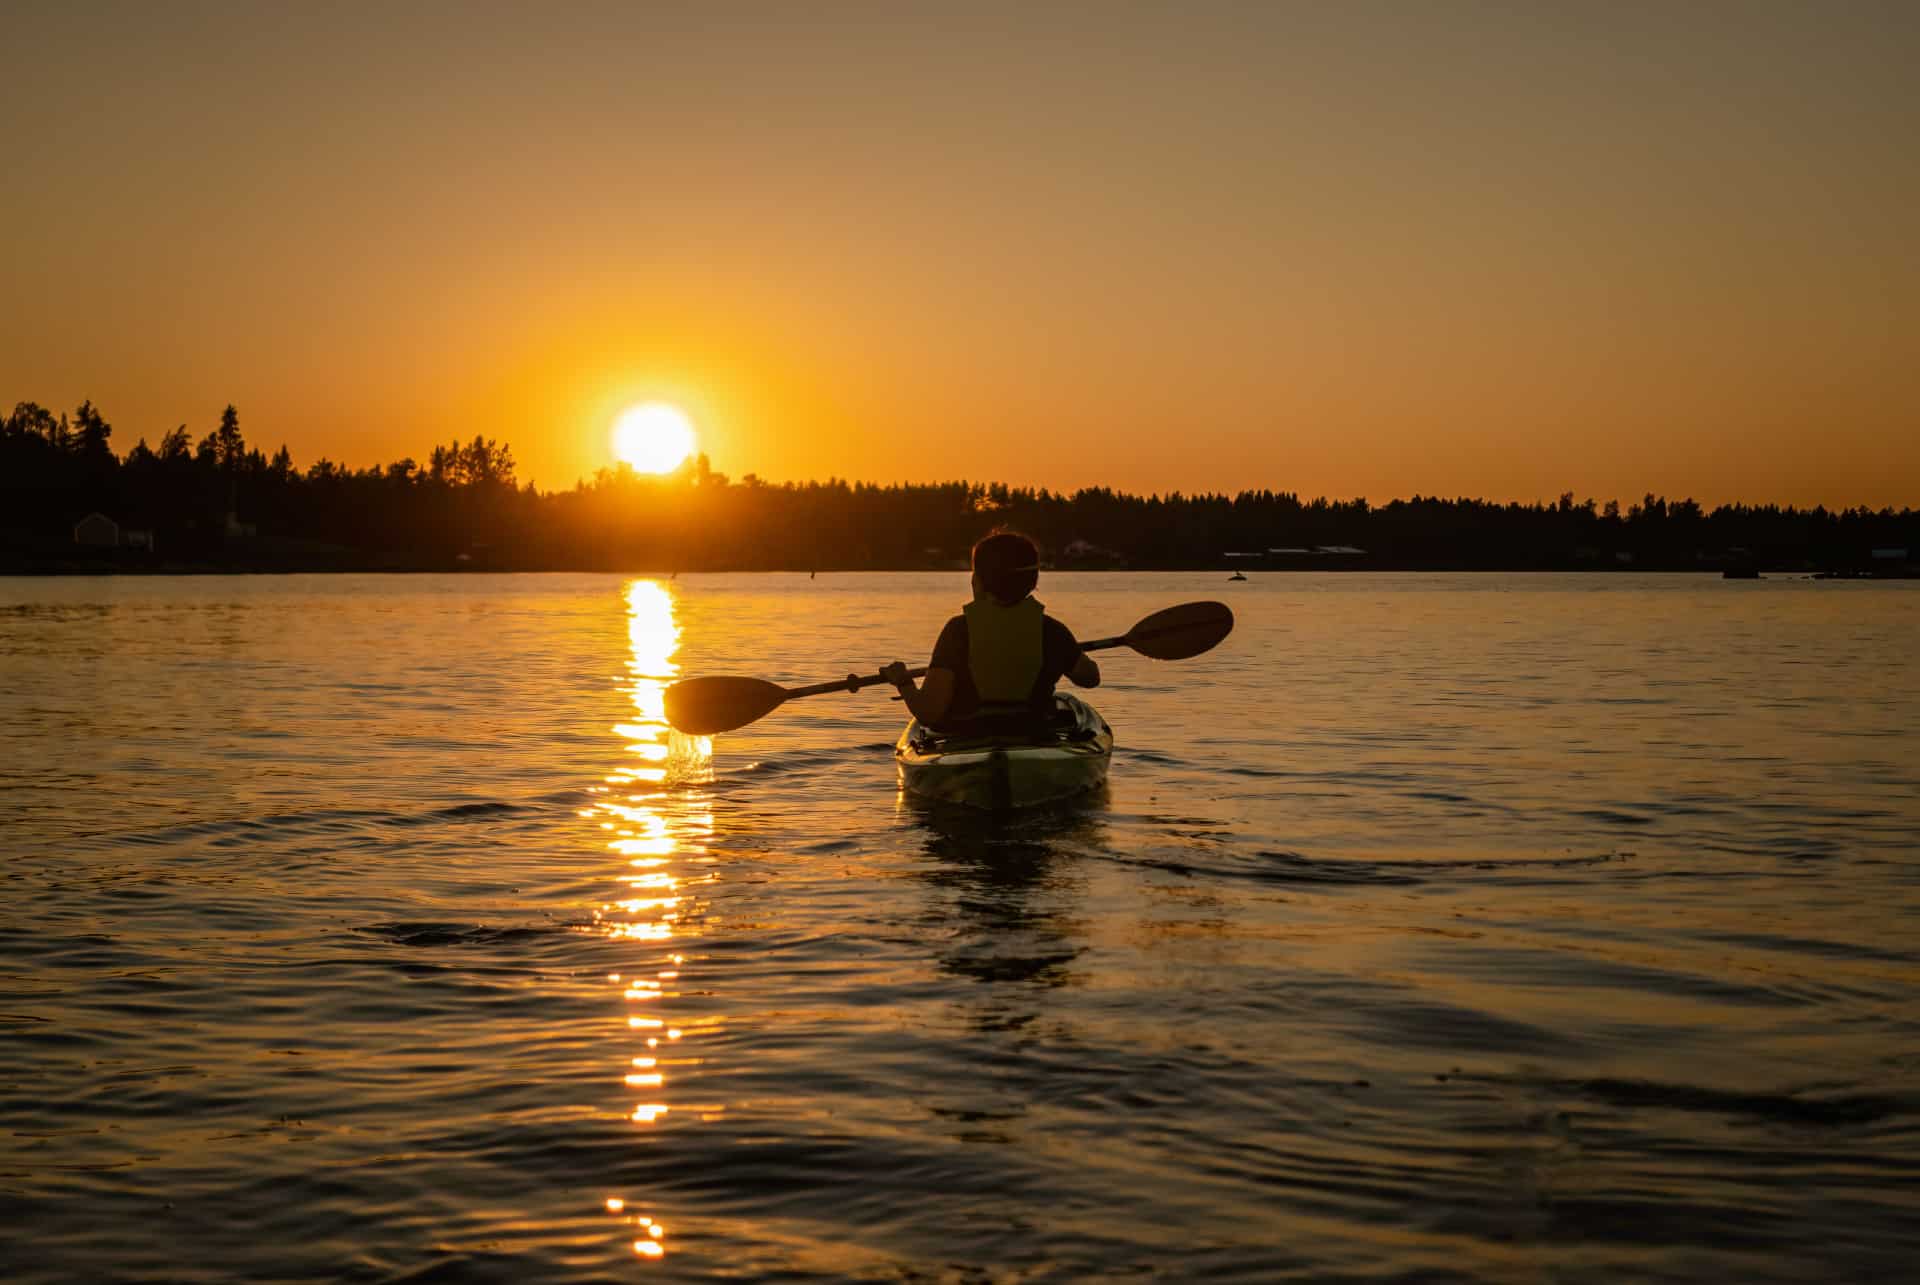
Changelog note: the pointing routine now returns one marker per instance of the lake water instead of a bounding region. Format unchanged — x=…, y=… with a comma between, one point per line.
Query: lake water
x=1482, y=927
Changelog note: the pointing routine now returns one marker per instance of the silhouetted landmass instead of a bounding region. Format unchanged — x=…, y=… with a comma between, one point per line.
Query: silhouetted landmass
x=221, y=504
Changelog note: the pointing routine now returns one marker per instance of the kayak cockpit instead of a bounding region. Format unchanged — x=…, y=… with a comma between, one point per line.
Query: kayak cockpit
x=1068, y=756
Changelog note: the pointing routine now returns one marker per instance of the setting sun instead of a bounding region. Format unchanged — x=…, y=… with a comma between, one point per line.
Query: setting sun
x=653, y=437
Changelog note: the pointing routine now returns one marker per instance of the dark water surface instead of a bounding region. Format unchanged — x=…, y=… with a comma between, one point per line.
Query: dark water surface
x=1495, y=928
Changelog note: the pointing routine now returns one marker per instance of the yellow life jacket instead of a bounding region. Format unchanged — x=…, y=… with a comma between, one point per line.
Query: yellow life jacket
x=1004, y=650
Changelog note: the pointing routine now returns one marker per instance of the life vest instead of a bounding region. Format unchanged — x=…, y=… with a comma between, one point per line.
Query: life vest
x=1004, y=650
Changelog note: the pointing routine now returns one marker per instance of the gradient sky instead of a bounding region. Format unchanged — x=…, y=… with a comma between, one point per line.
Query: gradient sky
x=1500, y=249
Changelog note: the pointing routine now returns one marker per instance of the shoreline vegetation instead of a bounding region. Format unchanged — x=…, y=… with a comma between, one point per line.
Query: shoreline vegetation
x=75, y=506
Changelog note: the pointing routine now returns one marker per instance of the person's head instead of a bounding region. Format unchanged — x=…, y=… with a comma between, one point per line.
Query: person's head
x=1006, y=565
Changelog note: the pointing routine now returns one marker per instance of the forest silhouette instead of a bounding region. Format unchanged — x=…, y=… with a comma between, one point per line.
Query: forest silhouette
x=221, y=503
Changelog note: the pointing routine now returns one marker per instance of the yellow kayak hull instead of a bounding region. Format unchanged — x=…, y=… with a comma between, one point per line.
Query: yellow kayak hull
x=1003, y=775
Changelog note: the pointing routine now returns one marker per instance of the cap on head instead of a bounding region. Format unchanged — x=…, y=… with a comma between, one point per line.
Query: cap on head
x=1007, y=564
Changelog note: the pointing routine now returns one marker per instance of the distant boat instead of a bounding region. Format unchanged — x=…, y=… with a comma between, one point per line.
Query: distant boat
x=1236, y=576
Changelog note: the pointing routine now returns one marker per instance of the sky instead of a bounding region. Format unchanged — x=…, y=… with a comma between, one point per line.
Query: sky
x=1354, y=249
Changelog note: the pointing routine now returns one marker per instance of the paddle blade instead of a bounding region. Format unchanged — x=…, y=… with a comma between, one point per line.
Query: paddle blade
x=1182, y=631
x=703, y=706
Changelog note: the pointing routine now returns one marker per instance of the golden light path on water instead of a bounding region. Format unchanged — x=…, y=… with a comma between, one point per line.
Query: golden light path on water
x=660, y=821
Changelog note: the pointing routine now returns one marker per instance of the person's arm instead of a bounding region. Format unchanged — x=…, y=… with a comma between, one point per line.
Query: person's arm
x=1072, y=663
x=927, y=702
x=1084, y=672
x=934, y=697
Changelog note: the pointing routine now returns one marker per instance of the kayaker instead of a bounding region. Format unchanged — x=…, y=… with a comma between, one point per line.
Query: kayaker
x=996, y=663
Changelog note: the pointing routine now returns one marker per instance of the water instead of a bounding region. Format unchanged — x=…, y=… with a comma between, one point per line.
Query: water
x=1494, y=928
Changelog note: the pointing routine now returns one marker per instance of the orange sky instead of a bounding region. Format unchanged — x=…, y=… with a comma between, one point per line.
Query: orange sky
x=1499, y=249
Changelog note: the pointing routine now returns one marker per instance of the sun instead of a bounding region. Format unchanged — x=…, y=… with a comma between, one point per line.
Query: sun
x=653, y=437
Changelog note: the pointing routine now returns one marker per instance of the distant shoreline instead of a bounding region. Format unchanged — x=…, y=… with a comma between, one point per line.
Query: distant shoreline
x=76, y=507
x=43, y=567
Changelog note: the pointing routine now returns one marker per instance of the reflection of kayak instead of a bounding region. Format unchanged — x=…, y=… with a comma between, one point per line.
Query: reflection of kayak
x=1000, y=773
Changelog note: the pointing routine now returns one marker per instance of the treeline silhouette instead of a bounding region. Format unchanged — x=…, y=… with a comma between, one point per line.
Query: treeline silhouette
x=221, y=502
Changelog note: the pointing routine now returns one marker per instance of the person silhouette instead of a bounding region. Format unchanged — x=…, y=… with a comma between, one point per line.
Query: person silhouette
x=995, y=664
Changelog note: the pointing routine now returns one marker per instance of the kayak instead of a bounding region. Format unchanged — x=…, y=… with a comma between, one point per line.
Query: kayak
x=999, y=774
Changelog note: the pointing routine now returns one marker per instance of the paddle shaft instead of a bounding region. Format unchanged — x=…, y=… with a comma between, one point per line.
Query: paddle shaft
x=705, y=706
x=854, y=682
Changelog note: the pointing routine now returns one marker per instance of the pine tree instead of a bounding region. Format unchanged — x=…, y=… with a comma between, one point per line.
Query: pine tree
x=91, y=434
x=229, y=447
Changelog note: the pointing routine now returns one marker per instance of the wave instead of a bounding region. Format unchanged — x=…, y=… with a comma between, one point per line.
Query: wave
x=429, y=933
x=1787, y=1107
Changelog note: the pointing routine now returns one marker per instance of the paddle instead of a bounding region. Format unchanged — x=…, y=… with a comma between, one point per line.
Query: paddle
x=704, y=706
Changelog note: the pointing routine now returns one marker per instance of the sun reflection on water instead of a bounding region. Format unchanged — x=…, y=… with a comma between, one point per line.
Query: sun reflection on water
x=661, y=821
